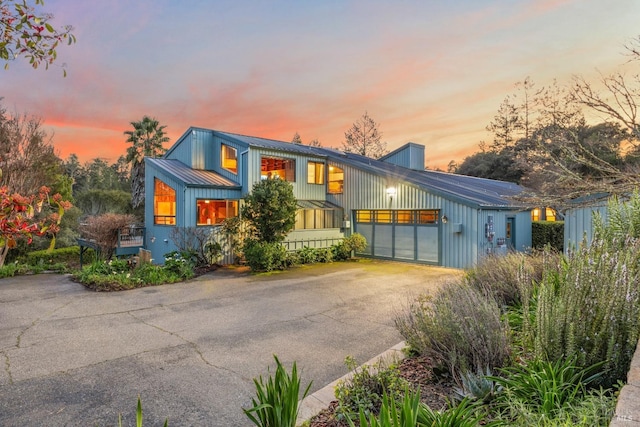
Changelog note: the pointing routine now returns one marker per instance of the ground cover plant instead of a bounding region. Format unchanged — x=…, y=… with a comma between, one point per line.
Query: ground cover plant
x=121, y=274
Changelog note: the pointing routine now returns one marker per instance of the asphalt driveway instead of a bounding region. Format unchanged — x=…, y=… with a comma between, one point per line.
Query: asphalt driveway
x=73, y=357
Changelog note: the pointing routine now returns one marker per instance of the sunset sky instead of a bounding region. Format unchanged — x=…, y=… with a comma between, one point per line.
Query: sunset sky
x=428, y=71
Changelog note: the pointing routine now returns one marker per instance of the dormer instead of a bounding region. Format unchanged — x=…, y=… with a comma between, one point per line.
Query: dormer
x=410, y=155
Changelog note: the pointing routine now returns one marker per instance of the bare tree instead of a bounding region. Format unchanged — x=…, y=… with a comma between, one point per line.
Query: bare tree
x=364, y=138
x=27, y=157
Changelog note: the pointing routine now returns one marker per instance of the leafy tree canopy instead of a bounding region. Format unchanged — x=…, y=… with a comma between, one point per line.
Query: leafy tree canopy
x=27, y=32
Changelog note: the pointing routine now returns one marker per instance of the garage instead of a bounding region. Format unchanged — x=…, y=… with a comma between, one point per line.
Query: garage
x=400, y=234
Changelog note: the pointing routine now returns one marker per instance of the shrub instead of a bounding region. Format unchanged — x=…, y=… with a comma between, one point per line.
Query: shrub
x=307, y=255
x=263, y=256
x=590, y=310
x=340, y=251
x=270, y=210
x=104, y=230
x=507, y=277
x=355, y=242
x=549, y=233
x=180, y=263
x=365, y=389
x=276, y=401
x=117, y=275
x=543, y=388
x=459, y=327
x=324, y=255
x=198, y=243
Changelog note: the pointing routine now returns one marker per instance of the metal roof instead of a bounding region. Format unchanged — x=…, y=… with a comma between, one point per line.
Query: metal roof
x=478, y=192
x=192, y=177
x=272, y=144
x=316, y=204
x=472, y=191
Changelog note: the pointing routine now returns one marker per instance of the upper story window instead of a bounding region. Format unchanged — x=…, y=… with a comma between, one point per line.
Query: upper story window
x=210, y=212
x=315, y=173
x=229, y=157
x=271, y=167
x=164, y=203
x=336, y=180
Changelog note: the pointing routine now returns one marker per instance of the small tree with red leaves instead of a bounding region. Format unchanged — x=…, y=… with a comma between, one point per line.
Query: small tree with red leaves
x=27, y=32
x=22, y=217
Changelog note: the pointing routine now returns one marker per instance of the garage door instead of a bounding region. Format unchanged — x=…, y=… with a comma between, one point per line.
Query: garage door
x=404, y=235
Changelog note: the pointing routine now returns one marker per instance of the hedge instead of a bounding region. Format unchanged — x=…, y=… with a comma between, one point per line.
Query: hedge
x=547, y=233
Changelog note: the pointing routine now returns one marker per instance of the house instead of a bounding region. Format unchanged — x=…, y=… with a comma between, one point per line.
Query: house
x=578, y=218
x=405, y=212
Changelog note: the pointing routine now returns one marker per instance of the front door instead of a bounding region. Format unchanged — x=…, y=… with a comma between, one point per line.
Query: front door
x=511, y=232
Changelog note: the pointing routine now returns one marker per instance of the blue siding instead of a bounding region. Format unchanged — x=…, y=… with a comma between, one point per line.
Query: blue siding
x=578, y=225
x=301, y=189
x=410, y=156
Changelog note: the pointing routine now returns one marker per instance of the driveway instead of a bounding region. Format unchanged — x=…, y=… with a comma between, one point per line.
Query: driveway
x=73, y=357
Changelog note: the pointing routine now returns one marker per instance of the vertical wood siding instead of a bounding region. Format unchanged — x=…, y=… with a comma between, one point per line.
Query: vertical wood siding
x=301, y=189
x=578, y=224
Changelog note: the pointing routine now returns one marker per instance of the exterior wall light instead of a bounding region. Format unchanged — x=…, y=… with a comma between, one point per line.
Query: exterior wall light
x=391, y=192
x=445, y=219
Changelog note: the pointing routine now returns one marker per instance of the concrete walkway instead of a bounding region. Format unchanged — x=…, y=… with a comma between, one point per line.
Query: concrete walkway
x=73, y=357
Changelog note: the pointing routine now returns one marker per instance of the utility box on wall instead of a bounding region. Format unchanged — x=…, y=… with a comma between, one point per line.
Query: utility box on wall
x=456, y=227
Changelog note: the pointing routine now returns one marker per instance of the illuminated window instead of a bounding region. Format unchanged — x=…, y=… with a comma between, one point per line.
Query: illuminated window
x=272, y=167
x=404, y=217
x=364, y=216
x=210, y=212
x=550, y=214
x=336, y=180
x=229, y=156
x=428, y=216
x=315, y=173
x=535, y=214
x=383, y=216
x=164, y=203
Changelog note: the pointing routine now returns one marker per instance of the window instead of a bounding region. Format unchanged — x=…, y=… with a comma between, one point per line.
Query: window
x=164, y=203
x=210, y=212
x=336, y=180
x=404, y=217
x=364, y=216
x=383, y=216
x=271, y=167
x=315, y=173
x=311, y=219
x=428, y=217
x=423, y=216
x=229, y=156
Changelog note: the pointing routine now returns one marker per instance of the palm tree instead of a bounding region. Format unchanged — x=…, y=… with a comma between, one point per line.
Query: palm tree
x=146, y=138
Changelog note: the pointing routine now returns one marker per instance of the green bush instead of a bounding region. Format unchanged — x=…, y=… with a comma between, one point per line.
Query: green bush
x=276, y=401
x=543, y=388
x=590, y=309
x=263, y=256
x=506, y=278
x=545, y=233
x=355, y=242
x=364, y=390
x=180, y=263
x=118, y=275
x=340, y=251
x=459, y=327
x=324, y=255
x=307, y=255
